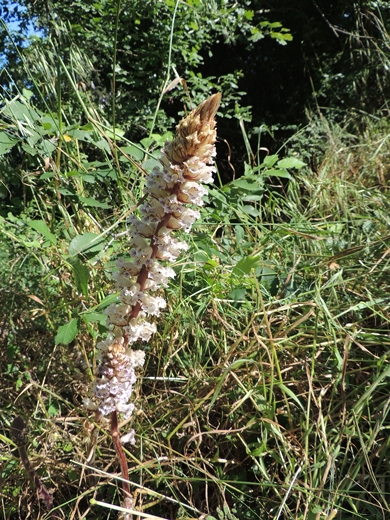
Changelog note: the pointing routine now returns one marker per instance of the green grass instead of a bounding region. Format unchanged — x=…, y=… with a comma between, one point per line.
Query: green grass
x=266, y=389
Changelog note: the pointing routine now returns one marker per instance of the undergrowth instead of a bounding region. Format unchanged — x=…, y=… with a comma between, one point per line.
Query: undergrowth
x=266, y=389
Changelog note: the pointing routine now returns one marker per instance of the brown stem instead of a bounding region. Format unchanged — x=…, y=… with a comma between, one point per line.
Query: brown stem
x=143, y=274
x=19, y=436
x=120, y=453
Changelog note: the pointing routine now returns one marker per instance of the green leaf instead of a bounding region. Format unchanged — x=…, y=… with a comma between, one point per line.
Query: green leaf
x=233, y=366
x=27, y=94
x=89, y=201
x=48, y=146
x=291, y=162
x=94, y=317
x=29, y=149
x=66, y=333
x=245, y=265
x=15, y=110
x=134, y=151
x=270, y=160
x=87, y=242
x=277, y=173
x=53, y=408
x=151, y=163
x=119, y=133
x=237, y=294
x=249, y=185
x=48, y=122
x=6, y=142
x=291, y=394
x=102, y=144
x=43, y=229
x=81, y=275
x=250, y=210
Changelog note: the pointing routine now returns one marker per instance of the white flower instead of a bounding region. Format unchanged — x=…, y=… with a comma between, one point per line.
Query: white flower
x=192, y=192
x=139, y=330
x=152, y=211
x=137, y=227
x=126, y=267
x=186, y=217
x=169, y=248
x=131, y=295
x=137, y=357
x=128, y=438
x=152, y=305
x=160, y=274
x=117, y=314
x=196, y=170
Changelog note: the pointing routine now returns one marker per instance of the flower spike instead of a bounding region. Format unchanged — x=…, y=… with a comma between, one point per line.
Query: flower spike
x=172, y=192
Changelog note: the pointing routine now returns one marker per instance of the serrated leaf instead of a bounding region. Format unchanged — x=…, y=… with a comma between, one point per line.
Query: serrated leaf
x=151, y=163
x=291, y=162
x=43, y=229
x=53, y=409
x=48, y=146
x=102, y=144
x=65, y=191
x=27, y=94
x=66, y=333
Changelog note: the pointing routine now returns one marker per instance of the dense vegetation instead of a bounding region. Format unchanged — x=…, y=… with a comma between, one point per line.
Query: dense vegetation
x=266, y=389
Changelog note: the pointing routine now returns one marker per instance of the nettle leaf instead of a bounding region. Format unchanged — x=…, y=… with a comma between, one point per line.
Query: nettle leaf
x=81, y=275
x=27, y=94
x=66, y=333
x=49, y=123
x=17, y=111
x=43, y=229
x=291, y=162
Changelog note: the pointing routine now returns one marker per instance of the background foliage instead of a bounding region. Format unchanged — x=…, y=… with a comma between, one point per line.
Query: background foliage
x=266, y=393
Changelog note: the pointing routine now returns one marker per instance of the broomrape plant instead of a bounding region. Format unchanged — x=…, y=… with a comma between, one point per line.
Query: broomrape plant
x=186, y=164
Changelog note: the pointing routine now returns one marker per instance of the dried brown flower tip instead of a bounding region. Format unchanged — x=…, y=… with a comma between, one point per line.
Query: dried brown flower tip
x=195, y=131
